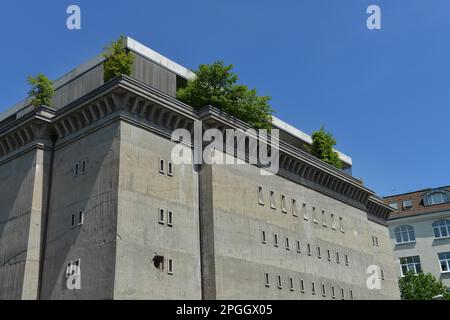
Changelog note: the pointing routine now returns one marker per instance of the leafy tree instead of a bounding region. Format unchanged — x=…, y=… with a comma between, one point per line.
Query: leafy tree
x=322, y=148
x=118, y=60
x=41, y=91
x=216, y=85
x=421, y=287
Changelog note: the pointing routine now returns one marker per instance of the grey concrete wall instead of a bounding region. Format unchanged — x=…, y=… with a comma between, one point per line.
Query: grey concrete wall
x=143, y=190
x=241, y=259
x=23, y=190
x=95, y=194
x=427, y=247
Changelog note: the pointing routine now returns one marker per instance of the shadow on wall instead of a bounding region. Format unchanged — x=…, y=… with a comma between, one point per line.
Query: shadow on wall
x=95, y=195
x=16, y=191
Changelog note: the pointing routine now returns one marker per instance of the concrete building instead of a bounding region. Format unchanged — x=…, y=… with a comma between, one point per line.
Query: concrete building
x=420, y=232
x=89, y=185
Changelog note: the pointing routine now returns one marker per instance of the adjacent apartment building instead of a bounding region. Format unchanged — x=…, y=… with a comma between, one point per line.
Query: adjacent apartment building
x=420, y=232
x=89, y=191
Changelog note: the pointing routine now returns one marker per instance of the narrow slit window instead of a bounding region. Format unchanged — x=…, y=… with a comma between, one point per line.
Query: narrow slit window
x=347, y=262
x=161, y=166
x=267, y=279
x=341, y=224
x=305, y=211
x=294, y=208
x=73, y=221
x=283, y=203
x=161, y=216
x=319, y=253
x=80, y=218
x=302, y=286
x=170, y=218
x=314, y=214
x=324, y=219
x=170, y=269
x=291, y=284
x=260, y=195
x=342, y=294
x=76, y=169
x=338, y=260
x=272, y=200
x=333, y=222
x=333, y=293
x=280, y=282
x=313, y=288
x=83, y=167
x=329, y=254
x=324, y=290
x=287, y=244
x=170, y=169
x=351, y=294
x=299, y=249
x=263, y=236
x=275, y=240
x=308, y=249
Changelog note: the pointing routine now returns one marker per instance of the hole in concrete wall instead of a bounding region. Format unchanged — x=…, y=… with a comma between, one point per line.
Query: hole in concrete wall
x=158, y=262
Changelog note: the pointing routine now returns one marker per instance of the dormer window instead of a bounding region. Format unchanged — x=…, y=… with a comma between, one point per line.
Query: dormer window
x=407, y=205
x=436, y=197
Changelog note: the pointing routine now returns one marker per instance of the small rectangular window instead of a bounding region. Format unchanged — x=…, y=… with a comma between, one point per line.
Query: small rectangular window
x=394, y=205
x=161, y=166
x=161, y=216
x=275, y=240
x=294, y=208
x=263, y=236
x=338, y=260
x=291, y=284
x=280, y=282
x=314, y=214
x=341, y=224
x=333, y=222
x=76, y=169
x=308, y=249
x=80, y=218
x=376, y=242
x=329, y=254
x=302, y=286
x=170, y=269
x=319, y=253
x=313, y=288
x=324, y=290
x=342, y=294
x=73, y=221
x=267, y=280
x=305, y=211
x=83, y=167
x=382, y=274
x=347, y=263
x=170, y=218
x=283, y=203
x=373, y=240
x=333, y=293
x=272, y=200
x=299, y=249
x=170, y=169
x=260, y=195
x=324, y=219
x=407, y=204
x=287, y=244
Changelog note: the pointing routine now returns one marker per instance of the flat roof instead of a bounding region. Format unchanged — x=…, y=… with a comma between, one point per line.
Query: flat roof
x=170, y=65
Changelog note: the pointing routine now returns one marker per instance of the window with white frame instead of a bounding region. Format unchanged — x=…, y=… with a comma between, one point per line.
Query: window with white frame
x=404, y=234
x=444, y=260
x=161, y=166
x=407, y=204
x=314, y=214
x=410, y=264
x=267, y=279
x=283, y=203
x=436, y=197
x=161, y=216
x=80, y=220
x=441, y=228
x=170, y=169
x=305, y=211
x=260, y=195
x=171, y=267
x=394, y=205
x=333, y=222
x=273, y=204
x=324, y=219
x=294, y=208
x=170, y=218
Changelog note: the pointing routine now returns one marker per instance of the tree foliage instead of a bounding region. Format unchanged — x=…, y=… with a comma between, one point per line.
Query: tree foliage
x=421, y=287
x=41, y=91
x=322, y=148
x=118, y=60
x=216, y=85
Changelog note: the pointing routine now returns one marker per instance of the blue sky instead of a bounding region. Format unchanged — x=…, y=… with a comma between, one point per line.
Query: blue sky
x=385, y=94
